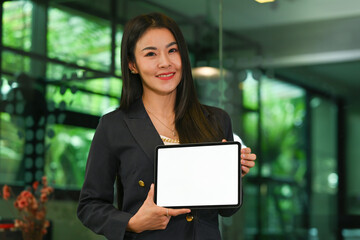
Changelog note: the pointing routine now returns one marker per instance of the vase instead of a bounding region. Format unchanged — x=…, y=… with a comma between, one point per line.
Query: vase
x=32, y=235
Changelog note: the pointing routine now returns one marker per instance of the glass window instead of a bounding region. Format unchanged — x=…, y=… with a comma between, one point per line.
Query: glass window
x=56, y=72
x=14, y=63
x=282, y=118
x=250, y=139
x=119, y=34
x=80, y=39
x=324, y=173
x=107, y=86
x=352, y=161
x=83, y=80
x=17, y=24
x=70, y=98
x=66, y=155
x=250, y=93
x=12, y=140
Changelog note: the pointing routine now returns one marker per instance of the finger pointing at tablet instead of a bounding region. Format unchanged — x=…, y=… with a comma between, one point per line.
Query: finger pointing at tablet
x=152, y=217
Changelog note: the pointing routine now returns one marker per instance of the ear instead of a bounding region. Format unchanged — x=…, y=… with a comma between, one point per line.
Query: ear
x=133, y=68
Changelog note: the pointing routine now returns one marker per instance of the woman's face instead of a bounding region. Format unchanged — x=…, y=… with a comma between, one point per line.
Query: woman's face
x=158, y=62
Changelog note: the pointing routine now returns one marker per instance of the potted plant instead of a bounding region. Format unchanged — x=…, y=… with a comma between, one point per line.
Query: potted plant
x=31, y=207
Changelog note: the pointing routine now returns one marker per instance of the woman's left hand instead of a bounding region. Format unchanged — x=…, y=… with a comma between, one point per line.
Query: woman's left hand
x=247, y=160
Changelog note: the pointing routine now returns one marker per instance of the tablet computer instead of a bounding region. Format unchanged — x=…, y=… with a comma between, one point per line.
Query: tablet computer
x=202, y=175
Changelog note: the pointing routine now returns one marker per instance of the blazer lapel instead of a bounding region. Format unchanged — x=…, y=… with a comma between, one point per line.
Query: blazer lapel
x=142, y=129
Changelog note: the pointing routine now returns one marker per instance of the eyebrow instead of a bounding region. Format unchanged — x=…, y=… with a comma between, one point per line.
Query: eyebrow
x=154, y=48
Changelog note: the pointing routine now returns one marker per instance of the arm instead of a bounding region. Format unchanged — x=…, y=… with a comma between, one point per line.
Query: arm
x=247, y=159
x=152, y=217
x=95, y=209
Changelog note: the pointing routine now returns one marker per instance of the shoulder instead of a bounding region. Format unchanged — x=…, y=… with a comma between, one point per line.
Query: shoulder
x=216, y=112
x=219, y=118
x=113, y=116
x=113, y=122
x=118, y=116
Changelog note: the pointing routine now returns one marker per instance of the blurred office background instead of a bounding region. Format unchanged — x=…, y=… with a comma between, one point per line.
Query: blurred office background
x=288, y=73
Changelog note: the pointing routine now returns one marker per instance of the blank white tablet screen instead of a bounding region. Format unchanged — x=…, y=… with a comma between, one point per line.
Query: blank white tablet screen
x=205, y=175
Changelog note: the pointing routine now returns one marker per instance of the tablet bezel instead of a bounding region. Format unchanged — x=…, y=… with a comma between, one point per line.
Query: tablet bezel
x=218, y=206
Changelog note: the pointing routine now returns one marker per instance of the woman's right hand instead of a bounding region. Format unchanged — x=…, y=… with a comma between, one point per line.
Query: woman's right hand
x=152, y=217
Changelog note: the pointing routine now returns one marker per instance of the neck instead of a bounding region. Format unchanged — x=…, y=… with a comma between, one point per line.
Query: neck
x=160, y=105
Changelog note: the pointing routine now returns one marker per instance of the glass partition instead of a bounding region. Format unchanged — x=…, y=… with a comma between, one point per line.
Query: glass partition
x=79, y=38
x=64, y=161
x=60, y=72
x=52, y=95
x=324, y=169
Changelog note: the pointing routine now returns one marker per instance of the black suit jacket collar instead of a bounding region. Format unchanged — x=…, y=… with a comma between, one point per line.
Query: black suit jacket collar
x=142, y=129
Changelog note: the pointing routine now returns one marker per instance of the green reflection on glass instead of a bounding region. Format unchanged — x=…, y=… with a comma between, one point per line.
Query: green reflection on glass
x=15, y=63
x=39, y=148
x=50, y=133
x=11, y=148
x=51, y=106
x=20, y=108
x=250, y=92
x=16, y=21
x=29, y=121
x=9, y=108
x=283, y=112
x=65, y=160
x=39, y=174
x=28, y=177
x=39, y=162
x=61, y=118
x=66, y=34
x=41, y=121
x=19, y=96
x=39, y=134
x=51, y=119
x=83, y=102
x=29, y=148
x=28, y=163
x=29, y=135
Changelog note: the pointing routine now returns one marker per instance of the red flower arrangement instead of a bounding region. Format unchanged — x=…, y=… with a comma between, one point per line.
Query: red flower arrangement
x=31, y=207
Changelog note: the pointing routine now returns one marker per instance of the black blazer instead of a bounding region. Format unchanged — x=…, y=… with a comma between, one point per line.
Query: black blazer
x=123, y=150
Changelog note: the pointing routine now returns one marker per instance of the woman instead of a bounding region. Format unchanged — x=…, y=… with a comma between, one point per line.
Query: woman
x=158, y=106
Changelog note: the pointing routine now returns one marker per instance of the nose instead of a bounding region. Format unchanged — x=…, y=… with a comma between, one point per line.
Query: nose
x=164, y=61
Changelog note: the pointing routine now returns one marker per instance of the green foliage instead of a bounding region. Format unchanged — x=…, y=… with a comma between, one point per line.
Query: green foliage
x=66, y=157
x=283, y=112
x=80, y=101
x=17, y=24
x=15, y=63
x=11, y=147
x=283, y=159
x=71, y=37
x=250, y=95
x=83, y=40
x=250, y=123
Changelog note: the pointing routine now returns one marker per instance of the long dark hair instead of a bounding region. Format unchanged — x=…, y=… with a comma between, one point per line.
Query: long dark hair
x=190, y=121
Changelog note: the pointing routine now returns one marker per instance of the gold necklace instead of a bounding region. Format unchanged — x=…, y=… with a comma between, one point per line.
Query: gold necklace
x=172, y=130
x=169, y=140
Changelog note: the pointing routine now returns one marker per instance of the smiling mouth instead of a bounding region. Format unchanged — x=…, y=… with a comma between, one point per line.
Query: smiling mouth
x=166, y=75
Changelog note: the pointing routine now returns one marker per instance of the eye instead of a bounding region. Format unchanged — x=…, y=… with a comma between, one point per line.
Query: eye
x=173, y=50
x=150, y=54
